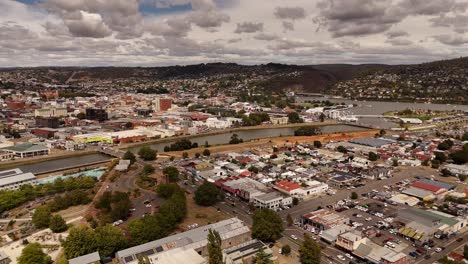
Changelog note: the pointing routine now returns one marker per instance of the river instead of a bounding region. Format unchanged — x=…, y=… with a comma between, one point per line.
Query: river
x=379, y=108
x=248, y=135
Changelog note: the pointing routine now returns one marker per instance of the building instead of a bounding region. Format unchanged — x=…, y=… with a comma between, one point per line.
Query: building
x=457, y=169
x=331, y=235
x=4, y=259
x=232, y=231
x=13, y=179
x=51, y=112
x=414, y=121
x=26, y=150
x=271, y=200
x=349, y=241
x=245, y=252
x=283, y=120
x=421, y=225
x=372, y=253
x=92, y=258
x=4, y=155
x=123, y=165
x=44, y=132
x=245, y=188
x=52, y=122
x=162, y=104
x=96, y=114
x=178, y=255
x=371, y=142
x=323, y=219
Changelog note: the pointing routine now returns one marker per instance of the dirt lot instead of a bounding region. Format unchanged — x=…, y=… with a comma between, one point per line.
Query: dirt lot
x=201, y=215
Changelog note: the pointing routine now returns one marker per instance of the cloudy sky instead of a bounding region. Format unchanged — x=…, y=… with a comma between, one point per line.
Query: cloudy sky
x=168, y=32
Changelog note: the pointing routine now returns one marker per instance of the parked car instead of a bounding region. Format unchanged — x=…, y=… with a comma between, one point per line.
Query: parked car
x=340, y=257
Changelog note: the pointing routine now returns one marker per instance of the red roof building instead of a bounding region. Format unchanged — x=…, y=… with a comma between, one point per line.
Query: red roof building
x=428, y=187
x=287, y=186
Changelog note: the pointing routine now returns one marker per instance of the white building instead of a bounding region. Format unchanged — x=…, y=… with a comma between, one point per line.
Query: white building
x=457, y=169
x=13, y=179
x=415, y=121
x=272, y=200
x=51, y=112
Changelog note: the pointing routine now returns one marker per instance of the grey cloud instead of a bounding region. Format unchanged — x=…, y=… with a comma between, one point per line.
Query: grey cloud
x=458, y=22
x=452, y=40
x=249, y=27
x=396, y=34
x=428, y=7
x=399, y=42
x=288, y=26
x=235, y=40
x=208, y=19
x=267, y=37
x=293, y=13
x=358, y=17
x=56, y=30
x=174, y=27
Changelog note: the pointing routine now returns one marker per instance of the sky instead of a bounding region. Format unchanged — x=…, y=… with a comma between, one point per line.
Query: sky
x=180, y=32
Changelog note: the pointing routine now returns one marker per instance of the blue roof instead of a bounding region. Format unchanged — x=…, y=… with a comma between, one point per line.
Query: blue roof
x=439, y=184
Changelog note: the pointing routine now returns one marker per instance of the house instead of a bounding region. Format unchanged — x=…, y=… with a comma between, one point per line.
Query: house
x=360, y=162
x=123, y=165
x=271, y=200
x=178, y=255
x=92, y=258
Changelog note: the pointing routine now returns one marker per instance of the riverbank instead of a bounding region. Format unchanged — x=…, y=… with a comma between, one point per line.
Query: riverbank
x=224, y=131
x=277, y=141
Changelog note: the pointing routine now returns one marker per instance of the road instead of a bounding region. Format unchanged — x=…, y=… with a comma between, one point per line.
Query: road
x=451, y=245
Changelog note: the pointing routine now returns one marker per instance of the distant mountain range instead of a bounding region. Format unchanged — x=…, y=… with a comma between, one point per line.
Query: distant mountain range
x=443, y=77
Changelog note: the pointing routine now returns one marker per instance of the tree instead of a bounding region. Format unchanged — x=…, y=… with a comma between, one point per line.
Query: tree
x=207, y=194
x=267, y=225
x=33, y=254
x=197, y=155
x=79, y=242
x=81, y=116
x=109, y=239
x=342, y=149
x=185, y=155
x=465, y=136
x=215, y=255
x=172, y=173
x=295, y=201
x=317, y=144
x=461, y=156
x=373, y=156
x=147, y=153
x=206, y=152
x=307, y=131
x=435, y=164
x=289, y=220
x=462, y=177
x=253, y=169
x=148, y=169
x=143, y=260
x=294, y=117
x=57, y=224
x=235, y=139
x=286, y=250
x=129, y=156
x=41, y=217
x=354, y=195
x=395, y=163
x=440, y=156
x=262, y=258
x=445, y=172
x=382, y=132
x=443, y=146
x=309, y=251
x=322, y=117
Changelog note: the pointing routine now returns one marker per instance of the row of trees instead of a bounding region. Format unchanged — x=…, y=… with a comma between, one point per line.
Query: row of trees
x=10, y=199
x=307, y=131
x=113, y=206
x=170, y=214
x=179, y=145
x=147, y=153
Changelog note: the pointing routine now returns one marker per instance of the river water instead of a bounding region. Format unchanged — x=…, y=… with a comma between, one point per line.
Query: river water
x=248, y=135
x=379, y=108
